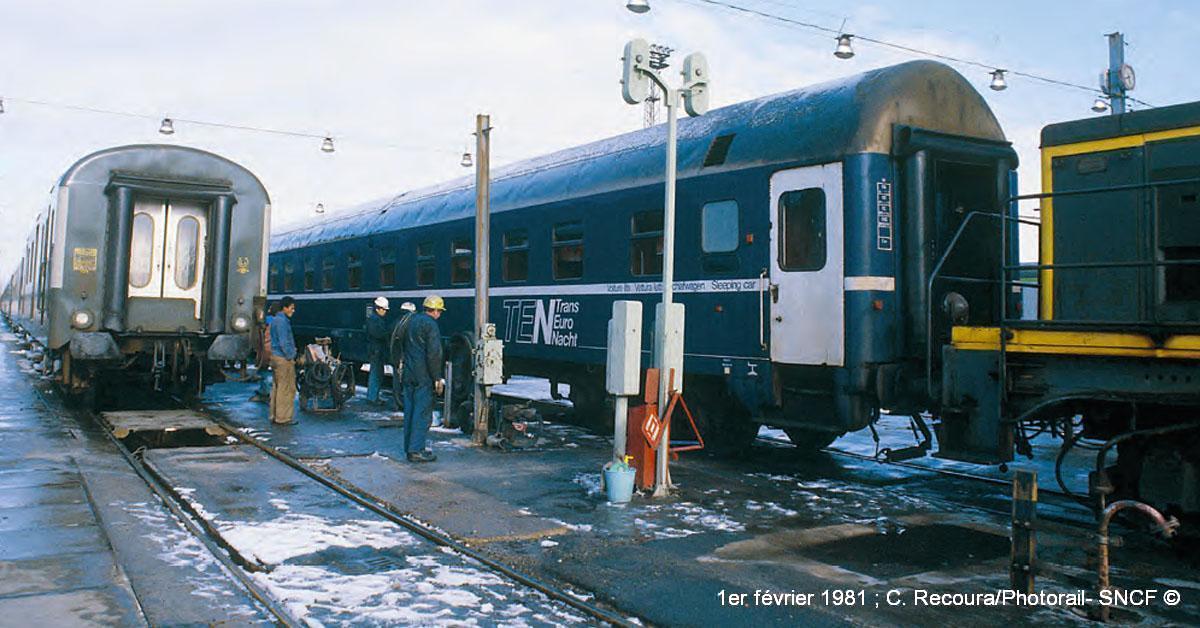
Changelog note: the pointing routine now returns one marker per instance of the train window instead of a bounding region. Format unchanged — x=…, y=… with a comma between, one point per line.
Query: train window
x=802, y=230
x=462, y=261
x=327, y=267
x=646, y=245
x=354, y=271
x=187, y=249
x=289, y=277
x=1182, y=280
x=387, y=267
x=273, y=284
x=141, y=250
x=719, y=227
x=515, y=262
x=568, y=250
x=310, y=274
x=426, y=271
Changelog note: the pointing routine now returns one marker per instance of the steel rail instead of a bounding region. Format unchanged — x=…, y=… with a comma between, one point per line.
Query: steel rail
x=427, y=532
x=223, y=554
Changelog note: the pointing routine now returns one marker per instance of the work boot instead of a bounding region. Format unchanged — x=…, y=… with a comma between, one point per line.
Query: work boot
x=422, y=456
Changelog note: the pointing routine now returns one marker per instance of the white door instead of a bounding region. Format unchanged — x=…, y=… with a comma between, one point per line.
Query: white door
x=146, y=248
x=166, y=250
x=183, y=272
x=807, y=323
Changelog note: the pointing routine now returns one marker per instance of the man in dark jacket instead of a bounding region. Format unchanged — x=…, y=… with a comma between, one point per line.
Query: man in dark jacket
x=408, y=309
x=422, y=377
x=377, y=347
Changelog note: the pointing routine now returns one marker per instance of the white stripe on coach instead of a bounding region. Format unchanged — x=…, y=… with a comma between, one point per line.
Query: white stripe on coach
x=885, y=284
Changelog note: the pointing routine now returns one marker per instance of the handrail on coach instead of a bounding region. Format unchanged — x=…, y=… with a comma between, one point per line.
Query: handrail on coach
x=1004, y=283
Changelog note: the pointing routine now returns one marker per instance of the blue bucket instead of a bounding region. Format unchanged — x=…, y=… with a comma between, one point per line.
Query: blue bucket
x=619, y=484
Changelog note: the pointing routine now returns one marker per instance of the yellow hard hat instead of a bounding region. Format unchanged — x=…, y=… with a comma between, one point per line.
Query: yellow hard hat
x=434, y=302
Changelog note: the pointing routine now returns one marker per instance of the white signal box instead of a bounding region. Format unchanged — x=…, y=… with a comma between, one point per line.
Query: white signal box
x=670, y=329
x=695, y=84
x=635, y=85
x=489, y=358
x=624, y=369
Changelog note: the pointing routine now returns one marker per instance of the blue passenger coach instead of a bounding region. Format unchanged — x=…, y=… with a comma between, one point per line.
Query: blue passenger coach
x=807, y=225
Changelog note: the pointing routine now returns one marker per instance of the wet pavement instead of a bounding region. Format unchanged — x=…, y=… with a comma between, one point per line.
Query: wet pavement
x=775, y=538
x=859, y=542
x=334, y=563
x=83, y=542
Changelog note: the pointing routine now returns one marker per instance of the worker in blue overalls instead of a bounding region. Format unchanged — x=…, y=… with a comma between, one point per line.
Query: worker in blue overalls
x=377, y=347
x=422, y=377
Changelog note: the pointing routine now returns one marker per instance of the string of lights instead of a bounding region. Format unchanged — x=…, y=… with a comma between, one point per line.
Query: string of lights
x=167, y=125
x=845, y=50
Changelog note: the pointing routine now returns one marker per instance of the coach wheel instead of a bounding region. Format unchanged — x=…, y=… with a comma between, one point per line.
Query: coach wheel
x=722, y=421
x=463, y=417
x=810, y=440
x=461, y=387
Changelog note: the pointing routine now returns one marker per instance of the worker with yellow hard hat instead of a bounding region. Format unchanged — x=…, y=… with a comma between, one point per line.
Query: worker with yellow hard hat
x=421, y=344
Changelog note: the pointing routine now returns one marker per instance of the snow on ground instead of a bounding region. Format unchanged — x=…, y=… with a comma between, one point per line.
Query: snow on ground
x=590, y=482
x=427, y=589
x=352, y=568
x=894, y=432
x=178, y=548
x=534, y=388
x=298, y=534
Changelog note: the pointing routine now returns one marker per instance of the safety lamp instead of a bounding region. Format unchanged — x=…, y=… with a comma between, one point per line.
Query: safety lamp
x=998, y=82
x=844, y=49
x=638, y=6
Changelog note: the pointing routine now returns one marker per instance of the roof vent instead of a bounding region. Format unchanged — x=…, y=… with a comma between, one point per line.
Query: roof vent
x=718, y=150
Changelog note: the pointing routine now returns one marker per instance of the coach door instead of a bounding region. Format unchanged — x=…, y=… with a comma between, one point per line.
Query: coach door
x=166, y=251
x=806, y=311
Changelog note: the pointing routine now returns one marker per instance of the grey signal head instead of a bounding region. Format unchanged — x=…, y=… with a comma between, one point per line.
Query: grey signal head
x=635, y=85
x=695, y=84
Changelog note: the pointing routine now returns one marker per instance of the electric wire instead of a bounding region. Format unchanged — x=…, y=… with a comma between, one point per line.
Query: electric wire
x=902, y=47
x=342, y=139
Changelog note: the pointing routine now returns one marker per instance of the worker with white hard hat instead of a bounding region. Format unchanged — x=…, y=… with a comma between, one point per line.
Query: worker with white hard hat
x=377, y=346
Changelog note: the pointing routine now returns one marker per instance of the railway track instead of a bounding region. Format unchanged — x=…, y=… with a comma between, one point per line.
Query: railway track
x=242, y=567
x=429, y=533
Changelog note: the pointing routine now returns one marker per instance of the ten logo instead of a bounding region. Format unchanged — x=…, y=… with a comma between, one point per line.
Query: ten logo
x=534, y=321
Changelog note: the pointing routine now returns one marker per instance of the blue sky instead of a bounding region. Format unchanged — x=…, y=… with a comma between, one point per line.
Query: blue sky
x=398, y=84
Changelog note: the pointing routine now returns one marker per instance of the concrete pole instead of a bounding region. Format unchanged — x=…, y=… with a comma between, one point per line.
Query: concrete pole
x=1116, y=59
x=620, y=427
x=662, y=480
x=483, y=129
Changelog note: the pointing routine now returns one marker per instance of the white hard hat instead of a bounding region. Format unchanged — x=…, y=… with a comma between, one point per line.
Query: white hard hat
x=381, y=303
x=408, y=306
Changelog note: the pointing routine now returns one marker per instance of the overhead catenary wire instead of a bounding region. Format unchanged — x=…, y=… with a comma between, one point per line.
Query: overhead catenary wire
x=322, y=137
x=837, y=32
